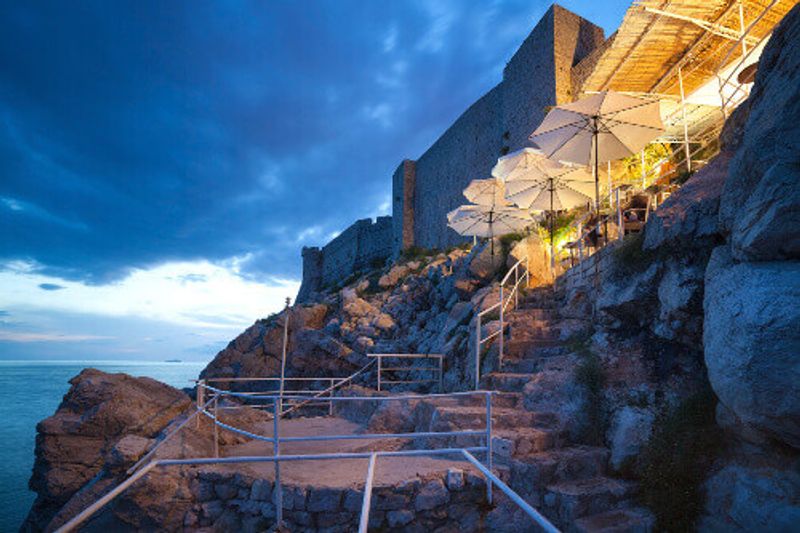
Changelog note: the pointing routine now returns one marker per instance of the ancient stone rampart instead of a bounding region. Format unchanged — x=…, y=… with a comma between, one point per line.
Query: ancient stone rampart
x=359, y=247
x=537, y=76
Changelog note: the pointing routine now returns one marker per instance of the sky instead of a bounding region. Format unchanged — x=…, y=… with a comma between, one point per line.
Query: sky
x=163, y=163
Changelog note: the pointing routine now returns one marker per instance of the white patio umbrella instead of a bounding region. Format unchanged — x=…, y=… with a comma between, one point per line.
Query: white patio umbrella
x=601, y=127
x=536, y=183
x=488, y=192
x=523, y=164
x=487, y=221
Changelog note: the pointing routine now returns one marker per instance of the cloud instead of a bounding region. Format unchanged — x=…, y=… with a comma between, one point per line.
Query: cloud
x=163, y=156
x=9, y=336
x=51, y=287
x=194, y=294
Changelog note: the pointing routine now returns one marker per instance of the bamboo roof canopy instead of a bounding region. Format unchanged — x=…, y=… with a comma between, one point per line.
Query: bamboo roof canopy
x=699, y=36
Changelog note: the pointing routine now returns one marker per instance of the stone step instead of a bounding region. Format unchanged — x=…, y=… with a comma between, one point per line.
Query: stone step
x=630, y=520
x=499, y=399
x=505, y=381
x=464, y=417
x=508, y=443
x=524, y=348
x=567, y=501
x=521, y=366
x=530, y=312
x=561, y=464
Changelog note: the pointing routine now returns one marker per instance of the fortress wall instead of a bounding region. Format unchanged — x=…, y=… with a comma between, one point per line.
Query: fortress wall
x=538, y=76
x=357, y=248
x=466, y=151
x=403, y=204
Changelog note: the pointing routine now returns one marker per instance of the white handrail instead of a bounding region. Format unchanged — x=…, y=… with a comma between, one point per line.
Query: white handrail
x=543, y=522
x=439, y=369
x=503, y=303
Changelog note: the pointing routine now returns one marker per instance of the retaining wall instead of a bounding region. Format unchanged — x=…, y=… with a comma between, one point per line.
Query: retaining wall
x=225, y=501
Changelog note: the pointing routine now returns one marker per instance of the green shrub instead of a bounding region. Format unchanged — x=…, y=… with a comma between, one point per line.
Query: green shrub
x=591, y=376
x=413, y=253
x=676, y=460
x=631, y=258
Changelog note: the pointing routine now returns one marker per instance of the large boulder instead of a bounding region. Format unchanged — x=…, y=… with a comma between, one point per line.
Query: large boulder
x=741, y=498
x=486, y=260
x=752, y=341
x=690, y=215
x=537, y=253
x=768, y=151
x=629, y=431
x=103, y=415
x=768, y=226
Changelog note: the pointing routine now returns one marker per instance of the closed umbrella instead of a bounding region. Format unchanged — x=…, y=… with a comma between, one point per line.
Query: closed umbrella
x=601, y=127
x=487, y=221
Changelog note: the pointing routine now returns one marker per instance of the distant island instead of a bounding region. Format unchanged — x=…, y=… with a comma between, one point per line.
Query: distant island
x=173, y=361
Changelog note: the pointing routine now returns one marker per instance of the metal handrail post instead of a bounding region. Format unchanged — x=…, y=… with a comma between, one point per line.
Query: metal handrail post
x=276, y=451
x=516, y=286
x=620, y=226
x=200, y=397
x=330, y=394
x=489, y=445
x=366, y=502
x=478, y=352
x=441, y=374
x=380, y=359
x=501, y=326
x=216, y=427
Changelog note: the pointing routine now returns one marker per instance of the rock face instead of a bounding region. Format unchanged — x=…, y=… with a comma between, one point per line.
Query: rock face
x=752, y=304
x=629, y=431
x=752, y=322
x=752, y=499
x=752, y=342
x=101, y=415
x=761, y=198
x=536, y=252
x=426, y=305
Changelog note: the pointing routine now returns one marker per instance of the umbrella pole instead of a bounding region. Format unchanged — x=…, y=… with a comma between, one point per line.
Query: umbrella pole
x=597, y=180
x=552, y=233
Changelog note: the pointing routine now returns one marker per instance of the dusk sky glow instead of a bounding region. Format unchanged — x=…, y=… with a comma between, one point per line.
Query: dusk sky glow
x=163, y=163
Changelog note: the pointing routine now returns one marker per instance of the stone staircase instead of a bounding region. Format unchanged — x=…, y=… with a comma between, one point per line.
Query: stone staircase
x=566, y=481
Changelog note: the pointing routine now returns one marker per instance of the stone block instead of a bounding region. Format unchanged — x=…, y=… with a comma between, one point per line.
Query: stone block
x=323, y=499
x=431, y=495
x=400, y=517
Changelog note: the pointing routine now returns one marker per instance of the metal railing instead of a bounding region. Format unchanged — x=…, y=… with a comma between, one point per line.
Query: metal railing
x=740, y=90
x=276, y=458
x=314, y=397
x=520, y=273
x=437, y=369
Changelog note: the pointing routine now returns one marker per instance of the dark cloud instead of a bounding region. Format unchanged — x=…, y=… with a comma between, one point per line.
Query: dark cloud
x=134, y=133
x=51, y=287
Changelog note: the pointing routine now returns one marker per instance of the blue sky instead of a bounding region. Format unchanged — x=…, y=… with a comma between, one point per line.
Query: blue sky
x=164, y=162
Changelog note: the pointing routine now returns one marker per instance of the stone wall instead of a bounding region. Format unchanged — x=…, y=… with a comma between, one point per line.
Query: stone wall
x=357, y=248
x=227, y=501
x=538, y=76
x=403, y=181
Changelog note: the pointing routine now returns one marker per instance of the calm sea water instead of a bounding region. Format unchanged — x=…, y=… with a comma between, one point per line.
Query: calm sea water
x=32, y=391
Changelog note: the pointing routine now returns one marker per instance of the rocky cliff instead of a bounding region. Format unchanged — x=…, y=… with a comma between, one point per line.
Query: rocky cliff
x=103, y=422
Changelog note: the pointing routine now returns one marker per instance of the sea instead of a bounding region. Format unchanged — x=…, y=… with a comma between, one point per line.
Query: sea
x=32, y=391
